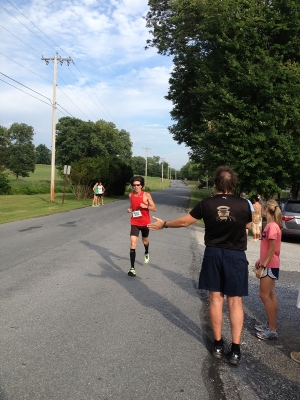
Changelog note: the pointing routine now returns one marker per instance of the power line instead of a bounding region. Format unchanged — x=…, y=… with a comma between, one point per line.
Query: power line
x=24, y=24
x=24, y=92
x=94, y=93
x=21, y=40
x=109, y=116
x=25, y=86
x=36, y=27
x=77, y=98
x=25, y=67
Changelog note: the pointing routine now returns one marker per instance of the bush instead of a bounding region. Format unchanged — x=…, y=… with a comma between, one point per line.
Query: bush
x=32, y=188
x=5, y=187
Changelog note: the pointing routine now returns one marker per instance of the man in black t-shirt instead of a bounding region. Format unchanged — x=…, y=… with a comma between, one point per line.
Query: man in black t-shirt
x=224, y=268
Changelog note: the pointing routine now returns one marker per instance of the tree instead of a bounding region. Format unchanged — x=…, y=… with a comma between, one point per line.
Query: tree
x=4, y=141
x=235, y=85
x=112, y=172
x=43, y=154
x=78, y=139
x=138, y=165
x=21, y=155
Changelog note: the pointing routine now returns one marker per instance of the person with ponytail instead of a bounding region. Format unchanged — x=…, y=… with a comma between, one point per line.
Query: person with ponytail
x=268, y=268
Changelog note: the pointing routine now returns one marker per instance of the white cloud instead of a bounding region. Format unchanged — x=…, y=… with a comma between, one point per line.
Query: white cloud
x=113, y=78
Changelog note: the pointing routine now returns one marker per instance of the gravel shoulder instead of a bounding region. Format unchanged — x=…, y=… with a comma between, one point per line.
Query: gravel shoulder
x=266, y=370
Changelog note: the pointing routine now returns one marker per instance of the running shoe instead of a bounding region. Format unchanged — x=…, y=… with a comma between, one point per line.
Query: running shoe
x=262, y=328
x=295, y=356
x=233, y=357
x=267, y=335
x=131, y=272
x=146, y=258
x=218, y=351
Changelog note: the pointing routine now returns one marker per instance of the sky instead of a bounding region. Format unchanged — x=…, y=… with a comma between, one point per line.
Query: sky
x=111, y=75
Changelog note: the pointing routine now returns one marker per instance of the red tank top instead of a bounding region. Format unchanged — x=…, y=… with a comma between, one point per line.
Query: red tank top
x=135, y=205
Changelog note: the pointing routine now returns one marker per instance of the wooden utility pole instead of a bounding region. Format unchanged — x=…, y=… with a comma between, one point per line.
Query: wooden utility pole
x=54, y=105
x=146, y=165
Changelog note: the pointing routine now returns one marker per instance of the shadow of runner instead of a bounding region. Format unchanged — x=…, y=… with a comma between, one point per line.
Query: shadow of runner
x=151, y=299
x=143, y=294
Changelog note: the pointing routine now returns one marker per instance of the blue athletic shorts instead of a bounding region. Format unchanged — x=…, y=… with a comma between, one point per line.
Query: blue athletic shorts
x=224, y=271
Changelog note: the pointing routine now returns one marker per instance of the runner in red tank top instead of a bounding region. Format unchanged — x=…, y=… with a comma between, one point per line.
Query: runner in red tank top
x=140, y=204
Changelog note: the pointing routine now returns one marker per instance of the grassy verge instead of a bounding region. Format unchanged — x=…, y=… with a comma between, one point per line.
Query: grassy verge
x=196, y=196
x=17, y=207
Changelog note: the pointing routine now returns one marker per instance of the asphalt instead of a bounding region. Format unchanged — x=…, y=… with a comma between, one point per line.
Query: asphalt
x=73, y=325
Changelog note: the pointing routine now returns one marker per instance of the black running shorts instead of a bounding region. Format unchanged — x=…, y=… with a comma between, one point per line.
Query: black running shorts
x=135, y=231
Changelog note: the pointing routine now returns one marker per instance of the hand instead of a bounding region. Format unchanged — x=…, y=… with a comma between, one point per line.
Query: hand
x=129, y=210
x=155, y=226
x=257, y=265
x=259, y=272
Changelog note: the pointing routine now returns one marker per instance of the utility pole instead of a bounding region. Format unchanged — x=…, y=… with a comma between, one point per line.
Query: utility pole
x=162, y=169
x=54, y=104
x=146, y=165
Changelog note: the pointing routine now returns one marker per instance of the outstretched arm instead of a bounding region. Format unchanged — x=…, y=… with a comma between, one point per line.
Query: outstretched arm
x=181, y=222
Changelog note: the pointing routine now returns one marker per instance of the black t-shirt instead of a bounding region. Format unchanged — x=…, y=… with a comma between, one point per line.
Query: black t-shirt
x=225, y=217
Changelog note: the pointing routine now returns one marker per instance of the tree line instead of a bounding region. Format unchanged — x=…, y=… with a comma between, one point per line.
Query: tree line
x=96, y=151
x=235, y=85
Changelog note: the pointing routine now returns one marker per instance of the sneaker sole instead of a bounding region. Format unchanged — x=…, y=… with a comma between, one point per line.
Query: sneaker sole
x=130, y=274
x=267, y=338
x=218, y=356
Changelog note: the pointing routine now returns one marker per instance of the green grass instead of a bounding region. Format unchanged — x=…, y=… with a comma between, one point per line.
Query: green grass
x=42, y=173
x=18, y=207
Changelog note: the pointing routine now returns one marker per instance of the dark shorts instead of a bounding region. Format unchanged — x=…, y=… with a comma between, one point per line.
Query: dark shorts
x=99, y=195
x=135, y=230
x=272, y=273
x=224, y=271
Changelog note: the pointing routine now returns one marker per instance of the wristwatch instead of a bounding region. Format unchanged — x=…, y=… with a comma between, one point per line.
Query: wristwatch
x=164, y=225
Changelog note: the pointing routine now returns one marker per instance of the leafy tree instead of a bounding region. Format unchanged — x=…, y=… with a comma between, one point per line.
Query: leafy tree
x=21, y=155
x=5, y=186
x=78, y=139
x=74, y=140
x=4, y=141
x=43, y=154
x=138, y=165
x=235, y=85
x=112, y=172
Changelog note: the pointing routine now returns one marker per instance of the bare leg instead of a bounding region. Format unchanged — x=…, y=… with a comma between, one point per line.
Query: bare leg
x=216, y=301
x=236, y=317
x=268, y=296
x=133, y=242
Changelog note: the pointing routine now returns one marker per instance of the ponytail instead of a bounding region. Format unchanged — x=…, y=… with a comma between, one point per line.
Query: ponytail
x=273, y=208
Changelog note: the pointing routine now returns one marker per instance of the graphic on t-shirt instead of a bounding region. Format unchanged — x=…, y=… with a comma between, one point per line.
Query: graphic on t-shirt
x=224, y=214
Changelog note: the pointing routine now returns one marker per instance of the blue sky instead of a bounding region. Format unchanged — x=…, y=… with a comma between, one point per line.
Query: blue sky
x=112, y=78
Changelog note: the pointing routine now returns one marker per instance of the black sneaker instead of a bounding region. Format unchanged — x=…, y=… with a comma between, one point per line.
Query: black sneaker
x=233, y=357
x=131, y=272
x=218, y=351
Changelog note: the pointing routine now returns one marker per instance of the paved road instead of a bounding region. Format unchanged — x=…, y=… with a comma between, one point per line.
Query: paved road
x=73, y=325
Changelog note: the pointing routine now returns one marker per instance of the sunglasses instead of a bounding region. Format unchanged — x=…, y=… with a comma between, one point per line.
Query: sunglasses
x=136, y=184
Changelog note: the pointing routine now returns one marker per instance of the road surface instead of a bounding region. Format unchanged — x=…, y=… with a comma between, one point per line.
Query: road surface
x=73, y=325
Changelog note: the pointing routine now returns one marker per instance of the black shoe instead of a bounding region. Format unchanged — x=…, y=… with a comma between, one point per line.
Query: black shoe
x=131, y=272
x=233, y=357
x=218, y=351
